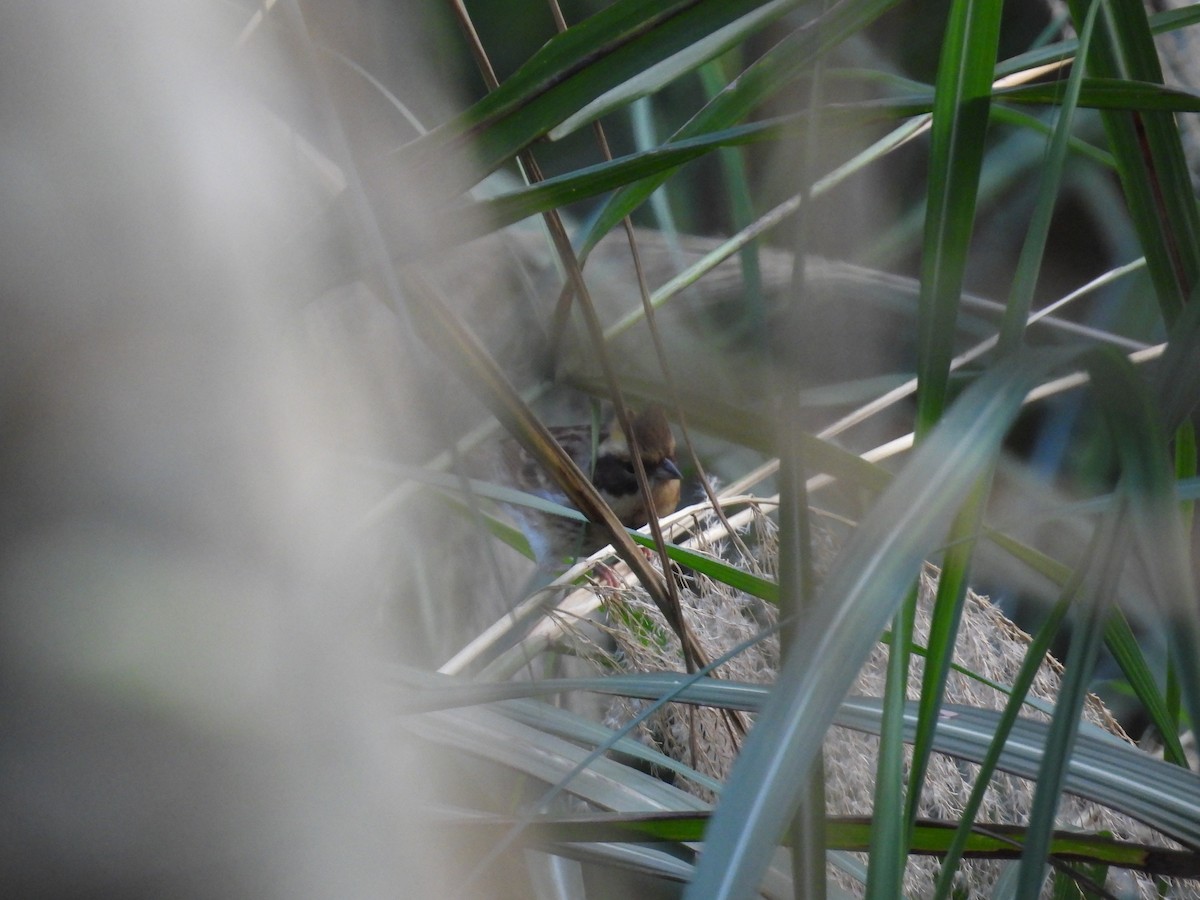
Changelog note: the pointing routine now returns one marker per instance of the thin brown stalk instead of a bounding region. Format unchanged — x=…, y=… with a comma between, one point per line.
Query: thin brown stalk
x=661, y=588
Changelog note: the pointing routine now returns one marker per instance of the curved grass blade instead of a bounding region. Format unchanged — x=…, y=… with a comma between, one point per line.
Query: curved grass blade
x=1119, y=640
x=1022, y=119
x=557, y=832
x=1160, y=23
x=657, y=76
x=1096, y=595
x=569, y=71
x=778, y=68
x=1150, y=159
x=703, y=563
x=592, y=180
x=1147, y=486
x=1102, y=768
x=859, y=596
x=1109, y=93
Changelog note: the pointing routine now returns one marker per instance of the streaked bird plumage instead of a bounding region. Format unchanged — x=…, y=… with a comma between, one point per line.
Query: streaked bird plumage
x=605, y=456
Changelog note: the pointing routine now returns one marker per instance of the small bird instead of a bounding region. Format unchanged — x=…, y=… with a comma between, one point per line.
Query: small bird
x=554, y=538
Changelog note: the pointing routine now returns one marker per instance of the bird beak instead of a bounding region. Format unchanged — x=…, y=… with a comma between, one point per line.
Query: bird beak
x=667, y=470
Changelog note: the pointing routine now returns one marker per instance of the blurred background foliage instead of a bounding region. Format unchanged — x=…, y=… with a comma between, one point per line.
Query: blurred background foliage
x=874, y=219
x=906, y=248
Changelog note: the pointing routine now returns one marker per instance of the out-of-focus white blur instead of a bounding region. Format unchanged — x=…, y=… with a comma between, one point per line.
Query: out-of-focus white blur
x=184, y=709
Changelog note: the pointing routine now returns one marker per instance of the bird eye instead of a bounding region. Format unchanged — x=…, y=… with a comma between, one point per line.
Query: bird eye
x=627, y=465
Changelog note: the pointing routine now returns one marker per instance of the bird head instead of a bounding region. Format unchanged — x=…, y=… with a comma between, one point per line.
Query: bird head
x=614, y=474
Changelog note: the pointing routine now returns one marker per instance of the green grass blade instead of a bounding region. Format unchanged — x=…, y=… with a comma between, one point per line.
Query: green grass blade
x=1029, y=264
x=590, y=181
x=960, y=119
x=1119, y=640
x=1160, y=23
x=1097, y=594
x=1152, y=167
x=943, y=635
x=572, y=69
x=1147, y=485
x=778, y=68
x=1110, y=94
x=654, y=77
x=889, y=836
x=859, y=596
